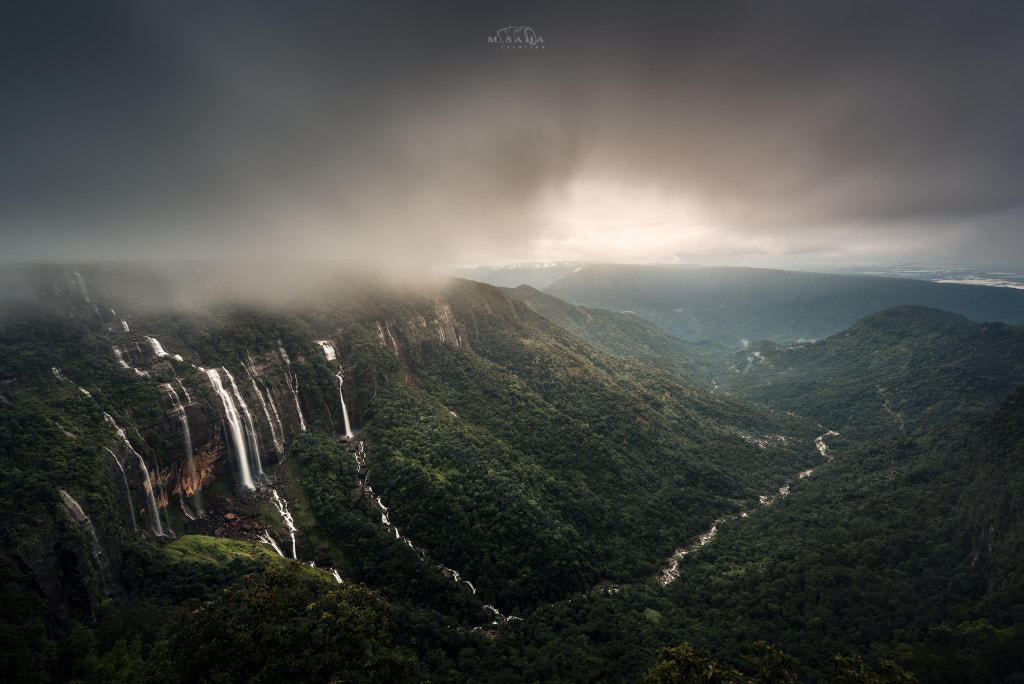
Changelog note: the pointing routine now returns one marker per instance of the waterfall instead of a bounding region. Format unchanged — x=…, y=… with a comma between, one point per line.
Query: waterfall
x=293, y=383
x=154, y=511
x=187, y=436
x=79, y=517
x=254, y=437
x=332, y=355
x=267, y=539
x=344, y=409
x=282, y=508
x=120, y=358
x=328, y=348
x=80, y=281
x=124, y=324
x=158, y=348
x=278, y=440
x=127, y=490
x=234, y=427
x=188, y=397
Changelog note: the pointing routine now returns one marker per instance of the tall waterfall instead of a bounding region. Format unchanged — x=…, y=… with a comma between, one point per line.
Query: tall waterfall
x=277, y=436
x=344, y=410
x=293, y=382
x=234, y=426
x=127, y=490
x=82, y=520
x=82, y=289
x=154, y=511
x=187, y=436
x=332, y=355
x=253, y=436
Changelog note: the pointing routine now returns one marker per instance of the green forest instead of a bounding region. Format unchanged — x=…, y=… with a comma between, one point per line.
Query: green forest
x=512, y=496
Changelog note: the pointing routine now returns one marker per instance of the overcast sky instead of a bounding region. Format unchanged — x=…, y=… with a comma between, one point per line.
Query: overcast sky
x=690, y=131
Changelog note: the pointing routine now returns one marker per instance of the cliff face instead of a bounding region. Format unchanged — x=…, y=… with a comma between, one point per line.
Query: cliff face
x=158, y=418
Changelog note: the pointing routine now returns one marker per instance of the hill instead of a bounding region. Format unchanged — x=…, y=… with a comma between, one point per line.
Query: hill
x=445, y=445
x=733, y=305
x=620, y=334
x=897, y=369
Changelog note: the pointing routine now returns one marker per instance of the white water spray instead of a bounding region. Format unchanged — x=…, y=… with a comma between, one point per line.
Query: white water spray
x=293, y=383
x=82, y=520
x=154, y=511
x=147, y=484
x=158, y=348
x=120, y=358
x=127, y=490
x=253, y=436
x=282, y=508
x=328, y=348
x=332, y=355
x=344, y=409
x=80, y=281
x=267, y=539
x=276, y=437
x=234, y=427
x=187, y=437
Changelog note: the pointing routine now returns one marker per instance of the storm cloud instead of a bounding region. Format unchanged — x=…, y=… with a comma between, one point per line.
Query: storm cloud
x=405, y=131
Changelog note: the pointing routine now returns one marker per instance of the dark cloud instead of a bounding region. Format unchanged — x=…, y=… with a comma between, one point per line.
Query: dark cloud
x=139, y=130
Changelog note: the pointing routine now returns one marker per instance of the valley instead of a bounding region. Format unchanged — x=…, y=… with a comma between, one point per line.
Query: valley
x=495, y=485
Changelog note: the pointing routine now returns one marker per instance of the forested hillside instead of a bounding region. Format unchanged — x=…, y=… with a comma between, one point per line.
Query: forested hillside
x=894, y=370
x=458, y=453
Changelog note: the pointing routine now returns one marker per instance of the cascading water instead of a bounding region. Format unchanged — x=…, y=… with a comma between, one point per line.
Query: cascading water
x=82, y=289
x=154, y=511
x=234, y=427
x=332, y=355
x=344, y=409
x=328, y=348
x=267, y=539
x=253, y=436
x=120, y=358
x=158, y=348
x=127, y=490
x=821, y=446
x=147, y=484
x=276, y=436
x=282, y=508
x=293, y=382
x=189, y=458
x=82, y=520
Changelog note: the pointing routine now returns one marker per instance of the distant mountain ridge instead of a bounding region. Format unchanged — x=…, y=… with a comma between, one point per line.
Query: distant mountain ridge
x=732, y=306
